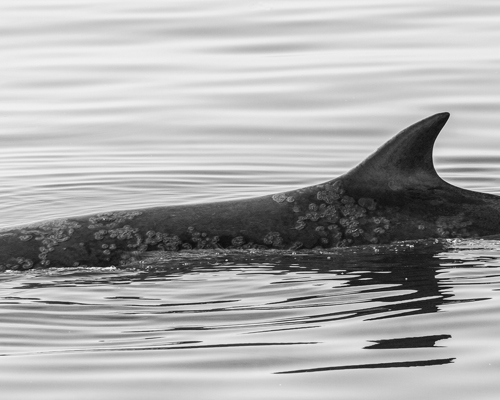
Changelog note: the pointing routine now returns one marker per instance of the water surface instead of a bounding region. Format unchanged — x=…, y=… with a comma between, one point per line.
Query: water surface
x=108, y=105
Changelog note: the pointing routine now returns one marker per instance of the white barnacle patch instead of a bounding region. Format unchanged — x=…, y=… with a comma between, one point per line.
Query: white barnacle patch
x=329, y=212
x=296, y=245
x=395, y=185
x=279, y=197
x=351, y=209
x=300, y=225
x=454, y=226
x=313, y=216
x=337, y=187
x=331, y=193
x=315, y=213
x=128, y=257
x=129, y=233
x=170, y=242
x=381, y=221
x=50, y=234
x=153, y=238
x=349, y=223
x=111, y=219
x=385, y=223
x=290, y=199
x=25, y=238
x=339, y=219
x=162, y=240
x=59, y=229
x=238, y=241
x=367, y=203
x=100, y=234
x=21, y=263
x=203, y=240
x=125, y=233
x=381, y=226
x=347, y=200
x=273, y=239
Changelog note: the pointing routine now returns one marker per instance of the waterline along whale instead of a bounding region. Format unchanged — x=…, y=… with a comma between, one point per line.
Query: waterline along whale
x=395, y=194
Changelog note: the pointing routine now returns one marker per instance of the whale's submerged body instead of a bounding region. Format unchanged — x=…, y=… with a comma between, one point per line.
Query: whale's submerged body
x=395, y=194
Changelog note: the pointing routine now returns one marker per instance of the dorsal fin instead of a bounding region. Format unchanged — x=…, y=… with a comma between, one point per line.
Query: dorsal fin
x=404, y=162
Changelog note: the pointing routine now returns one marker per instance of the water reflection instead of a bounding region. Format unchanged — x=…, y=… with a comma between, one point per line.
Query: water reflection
x=401, y=364
x=408, y=343
x=221, y=302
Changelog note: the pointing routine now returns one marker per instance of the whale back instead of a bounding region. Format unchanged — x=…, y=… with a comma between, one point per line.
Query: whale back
x=395, y=194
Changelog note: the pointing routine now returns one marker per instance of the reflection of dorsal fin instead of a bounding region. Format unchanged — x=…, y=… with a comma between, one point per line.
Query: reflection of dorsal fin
x=404, y=162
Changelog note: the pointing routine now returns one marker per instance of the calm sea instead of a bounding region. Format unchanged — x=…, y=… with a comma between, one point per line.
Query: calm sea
x=108, y=105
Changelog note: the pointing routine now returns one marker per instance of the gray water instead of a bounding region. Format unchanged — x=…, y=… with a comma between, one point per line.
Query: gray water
x=108, y=105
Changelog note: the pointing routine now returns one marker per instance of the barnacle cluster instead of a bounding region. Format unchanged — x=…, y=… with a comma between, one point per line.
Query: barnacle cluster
x=202, y=240
x=50, y=234
x=273, y=239
x=111, y=219
x=336, y=218
x=454, y=226
x=18, y=264
x=279, y=197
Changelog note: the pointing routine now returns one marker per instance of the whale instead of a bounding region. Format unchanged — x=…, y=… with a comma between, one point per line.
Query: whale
x=393, y=195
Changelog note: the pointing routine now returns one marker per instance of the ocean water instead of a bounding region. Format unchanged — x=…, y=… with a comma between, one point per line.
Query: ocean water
x=108, y=105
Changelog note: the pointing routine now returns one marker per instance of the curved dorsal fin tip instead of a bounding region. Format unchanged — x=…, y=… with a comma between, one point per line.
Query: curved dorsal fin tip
x=442, y=115
x=412, y=148
x=406, y=158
